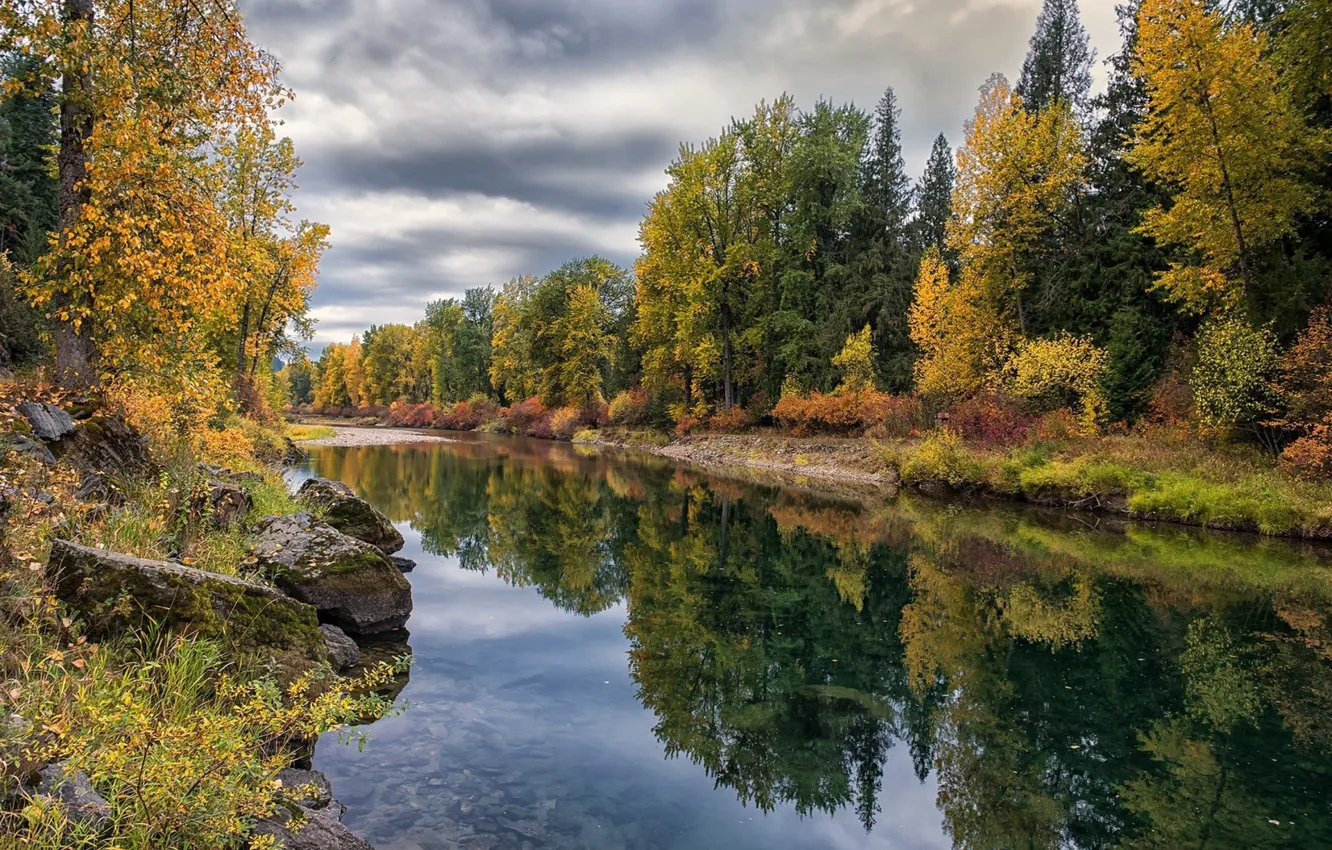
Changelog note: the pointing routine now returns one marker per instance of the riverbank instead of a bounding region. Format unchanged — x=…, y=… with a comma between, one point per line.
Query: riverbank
x=1164, y=477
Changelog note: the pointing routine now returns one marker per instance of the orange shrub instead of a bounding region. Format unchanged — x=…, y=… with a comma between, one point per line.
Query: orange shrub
x=686, y=425
x=729, y=421
x=839, y=413
x=563, y=422
x=1310, y=458
x=403, y=414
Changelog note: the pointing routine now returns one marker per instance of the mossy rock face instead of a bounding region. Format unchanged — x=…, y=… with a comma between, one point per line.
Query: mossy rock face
x=350, y=514
x=117, y=593
x=353, y=584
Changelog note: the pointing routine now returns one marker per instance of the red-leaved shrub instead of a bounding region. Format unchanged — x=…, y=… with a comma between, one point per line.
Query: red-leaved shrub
x=729, y=421
x=991, y=419
x=1310, y=458
x=522, y=417
x=405, y=415
x=687, y=425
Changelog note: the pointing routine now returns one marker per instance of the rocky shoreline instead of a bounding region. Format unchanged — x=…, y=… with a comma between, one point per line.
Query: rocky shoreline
x=331, y=577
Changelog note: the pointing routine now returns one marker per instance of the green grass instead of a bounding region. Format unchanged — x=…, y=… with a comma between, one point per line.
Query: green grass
x=1169, y=478
x=303, y=433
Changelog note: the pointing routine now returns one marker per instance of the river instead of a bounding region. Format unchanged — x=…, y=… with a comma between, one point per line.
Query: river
x=613, y=651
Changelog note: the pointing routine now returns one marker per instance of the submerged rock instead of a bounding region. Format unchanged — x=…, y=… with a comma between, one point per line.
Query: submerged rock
x=351, y=514
x=49, y=423
x=115, y=593
x=353, y=584
x=343, y=653
x=74, y=791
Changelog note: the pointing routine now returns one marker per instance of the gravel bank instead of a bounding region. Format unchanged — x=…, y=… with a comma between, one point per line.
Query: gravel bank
x=374, y=437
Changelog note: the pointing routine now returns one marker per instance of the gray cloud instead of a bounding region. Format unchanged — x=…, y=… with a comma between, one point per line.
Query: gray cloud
x=456, y=143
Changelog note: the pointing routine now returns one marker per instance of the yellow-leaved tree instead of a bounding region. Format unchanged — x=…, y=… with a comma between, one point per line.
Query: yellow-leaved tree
x=140, y=276
x=856, y=363
x=1016, y=174
x=1222, y=133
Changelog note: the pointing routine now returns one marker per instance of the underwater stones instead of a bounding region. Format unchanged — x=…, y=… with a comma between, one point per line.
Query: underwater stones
x=114, y=593
x=343, y=653
x=307, y=816
x=350, y=514
x=49, y=423
x=353, y=585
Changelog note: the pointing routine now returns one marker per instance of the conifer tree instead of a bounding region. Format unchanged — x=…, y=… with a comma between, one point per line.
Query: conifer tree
x=934, y=198
x=885, y=257
x=1058, y=65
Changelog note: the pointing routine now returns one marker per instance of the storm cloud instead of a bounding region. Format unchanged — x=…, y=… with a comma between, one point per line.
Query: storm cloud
x=459, y=143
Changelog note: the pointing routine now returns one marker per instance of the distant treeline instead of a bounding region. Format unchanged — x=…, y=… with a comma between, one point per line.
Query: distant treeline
x=1161, y=250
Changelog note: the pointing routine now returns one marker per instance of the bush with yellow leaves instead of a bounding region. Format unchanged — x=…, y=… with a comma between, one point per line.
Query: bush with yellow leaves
x=1065, y=371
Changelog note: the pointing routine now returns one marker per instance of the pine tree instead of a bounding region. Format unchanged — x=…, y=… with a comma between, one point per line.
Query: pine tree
x=27, y=132
x=883, y=265
x=934, y=198
x=1058, y=65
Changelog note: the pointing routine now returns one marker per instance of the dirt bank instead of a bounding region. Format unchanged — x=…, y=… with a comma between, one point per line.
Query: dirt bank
x=820, y=463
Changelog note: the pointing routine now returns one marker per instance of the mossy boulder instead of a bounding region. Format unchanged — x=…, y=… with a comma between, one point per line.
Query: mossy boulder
x=353, y=584
x=107, y=444
x=350, y=514
x=255, y=624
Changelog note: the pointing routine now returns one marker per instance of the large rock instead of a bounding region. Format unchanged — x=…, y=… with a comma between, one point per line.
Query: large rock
x=49, y=423
x=350, y=514
x=107, y=444
x=343, y=653
x=353, y=584
x=74, y=791
x=322, y=829
x=115, y=593
x=308, y=789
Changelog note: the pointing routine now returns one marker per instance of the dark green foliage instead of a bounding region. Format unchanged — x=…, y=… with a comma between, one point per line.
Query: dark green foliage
x=934, y=198
x=1058, y=66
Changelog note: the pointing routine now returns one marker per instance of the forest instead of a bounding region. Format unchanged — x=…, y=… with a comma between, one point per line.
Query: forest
x=1158, y=253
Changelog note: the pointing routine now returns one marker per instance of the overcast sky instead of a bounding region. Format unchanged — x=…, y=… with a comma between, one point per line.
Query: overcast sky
x=458, y=143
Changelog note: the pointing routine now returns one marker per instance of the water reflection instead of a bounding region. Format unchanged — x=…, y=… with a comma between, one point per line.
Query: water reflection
x=1048, y=684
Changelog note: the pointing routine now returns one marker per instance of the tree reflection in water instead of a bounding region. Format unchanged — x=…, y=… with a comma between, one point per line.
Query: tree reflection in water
x=1066, y=687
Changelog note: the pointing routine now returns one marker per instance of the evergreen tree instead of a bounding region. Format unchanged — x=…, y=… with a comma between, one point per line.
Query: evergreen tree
x=1058, y=66
x=934, y=198
x=27, y=188
x=884, y=256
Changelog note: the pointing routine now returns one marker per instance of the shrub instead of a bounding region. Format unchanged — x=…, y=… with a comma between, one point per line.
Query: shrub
x=404, y=415
x=1057, y=425
x=904, y=417
x=630, y=409
x=992, y=419
x=1231, y=380
x=522, y=417
x=759, y=406
x=687, y=424
x=1310, y=458
x=839, y=413
x=471, y=414
x=563, y=422
x=1053, y=373
x=942, y=456
x=729, y=421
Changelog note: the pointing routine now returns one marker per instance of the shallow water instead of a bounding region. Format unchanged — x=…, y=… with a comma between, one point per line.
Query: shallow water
x=614, y=652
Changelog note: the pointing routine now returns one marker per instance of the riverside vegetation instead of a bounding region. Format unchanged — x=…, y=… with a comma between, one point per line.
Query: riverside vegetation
x=1117, y=301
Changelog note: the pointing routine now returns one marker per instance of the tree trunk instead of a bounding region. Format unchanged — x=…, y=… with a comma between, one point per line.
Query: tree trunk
x=240, y=344
x=689, y=388
x=75, y=350
x=728, y=393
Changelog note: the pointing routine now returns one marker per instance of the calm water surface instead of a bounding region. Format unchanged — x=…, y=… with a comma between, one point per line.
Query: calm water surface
x=615, y=652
